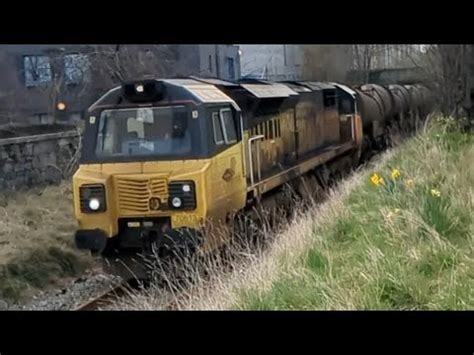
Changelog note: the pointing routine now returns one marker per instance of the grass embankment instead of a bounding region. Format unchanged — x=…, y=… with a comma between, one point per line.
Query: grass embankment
x=36, y=241
x=398, y=235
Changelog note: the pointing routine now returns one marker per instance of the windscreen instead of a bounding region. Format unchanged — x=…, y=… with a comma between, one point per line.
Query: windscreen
x=158, y=131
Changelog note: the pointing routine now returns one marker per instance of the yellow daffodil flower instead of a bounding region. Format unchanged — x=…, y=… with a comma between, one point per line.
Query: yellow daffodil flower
x=395, y=174
x=376, y=179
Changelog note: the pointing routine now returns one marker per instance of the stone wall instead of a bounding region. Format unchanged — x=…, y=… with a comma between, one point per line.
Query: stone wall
x=37, y=160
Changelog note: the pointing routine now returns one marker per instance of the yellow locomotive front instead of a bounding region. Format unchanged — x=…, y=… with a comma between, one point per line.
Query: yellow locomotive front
x=159, y=159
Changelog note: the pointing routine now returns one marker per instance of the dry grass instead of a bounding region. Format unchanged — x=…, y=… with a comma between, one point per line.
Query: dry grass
x=36, y=240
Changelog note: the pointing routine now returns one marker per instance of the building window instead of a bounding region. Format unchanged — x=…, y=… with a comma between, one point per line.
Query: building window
x=210, y=63
x=37, y=70
x=230, y=67
x=75, y=67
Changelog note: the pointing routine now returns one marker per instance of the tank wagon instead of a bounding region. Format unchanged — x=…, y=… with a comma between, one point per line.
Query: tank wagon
x=390, y=111
x=163, y=158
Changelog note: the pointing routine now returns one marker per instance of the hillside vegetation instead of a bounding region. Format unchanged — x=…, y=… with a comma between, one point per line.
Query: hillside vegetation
x=398, y=235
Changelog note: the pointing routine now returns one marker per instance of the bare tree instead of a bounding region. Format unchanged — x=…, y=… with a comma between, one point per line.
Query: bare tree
x=369, y=57
x=447, y=69
x=363, y=58
x=113, y=64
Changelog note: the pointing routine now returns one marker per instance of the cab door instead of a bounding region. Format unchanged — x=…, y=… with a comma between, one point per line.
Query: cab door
x=228, y=184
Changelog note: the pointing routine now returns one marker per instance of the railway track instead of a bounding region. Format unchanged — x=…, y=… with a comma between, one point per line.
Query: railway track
x=103, y=299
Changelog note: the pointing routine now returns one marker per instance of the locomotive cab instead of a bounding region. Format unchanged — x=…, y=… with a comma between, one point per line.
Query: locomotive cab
x=159, y=157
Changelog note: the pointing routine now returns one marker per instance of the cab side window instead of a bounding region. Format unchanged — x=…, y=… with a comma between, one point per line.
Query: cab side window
x=217, y=126
x=228, y=125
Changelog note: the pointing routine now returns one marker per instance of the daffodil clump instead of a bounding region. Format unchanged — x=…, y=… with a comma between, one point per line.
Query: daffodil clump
x=388, y=184
x=397, y=180
x=377, y=179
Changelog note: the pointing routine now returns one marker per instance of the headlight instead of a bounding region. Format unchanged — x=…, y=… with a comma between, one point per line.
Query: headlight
x=92, y=198
x=176, y=202
x=182, y=195
x=94, y=204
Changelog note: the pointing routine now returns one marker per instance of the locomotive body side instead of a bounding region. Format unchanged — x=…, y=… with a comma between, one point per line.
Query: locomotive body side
x=295, y=128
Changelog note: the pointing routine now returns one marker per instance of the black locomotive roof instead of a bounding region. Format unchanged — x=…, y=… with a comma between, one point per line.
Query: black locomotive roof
x=315, y=86
x=254, y=81
x=297, y=86
x=188, y=89
x=345, y=88
x=268, y=90
x=214, y=81
x=210, y=90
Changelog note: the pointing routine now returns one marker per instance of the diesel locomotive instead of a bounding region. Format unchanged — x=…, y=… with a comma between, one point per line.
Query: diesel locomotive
x=163, y=158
